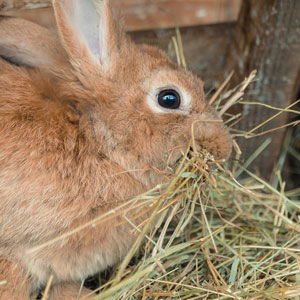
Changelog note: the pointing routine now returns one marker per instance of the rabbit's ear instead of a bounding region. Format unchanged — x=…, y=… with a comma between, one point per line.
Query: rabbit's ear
x=87, y=29
x=27, y=44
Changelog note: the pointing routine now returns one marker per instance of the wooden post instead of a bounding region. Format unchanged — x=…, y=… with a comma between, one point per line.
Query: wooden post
x=267, y=39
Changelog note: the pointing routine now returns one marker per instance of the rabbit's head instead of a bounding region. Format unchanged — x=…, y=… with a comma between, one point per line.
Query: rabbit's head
x=141, y=107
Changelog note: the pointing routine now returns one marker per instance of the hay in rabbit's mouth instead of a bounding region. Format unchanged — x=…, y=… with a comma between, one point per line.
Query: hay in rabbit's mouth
x=215, y=237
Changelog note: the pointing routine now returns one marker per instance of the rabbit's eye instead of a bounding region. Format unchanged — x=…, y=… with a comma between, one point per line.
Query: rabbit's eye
x=169, y=99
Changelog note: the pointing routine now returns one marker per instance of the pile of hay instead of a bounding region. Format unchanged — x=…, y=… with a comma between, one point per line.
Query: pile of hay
x=216, y=237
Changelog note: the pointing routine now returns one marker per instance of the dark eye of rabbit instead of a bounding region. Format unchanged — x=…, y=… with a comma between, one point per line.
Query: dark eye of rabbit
x=169, y=99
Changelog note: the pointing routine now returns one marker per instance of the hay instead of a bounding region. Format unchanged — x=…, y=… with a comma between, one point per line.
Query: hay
x=216, y=237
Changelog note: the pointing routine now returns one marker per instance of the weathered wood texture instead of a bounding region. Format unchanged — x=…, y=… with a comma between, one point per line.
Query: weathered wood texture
x=267, y=39
x=144, y=14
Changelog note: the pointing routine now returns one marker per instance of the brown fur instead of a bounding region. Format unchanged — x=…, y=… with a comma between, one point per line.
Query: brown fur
x=72, y=129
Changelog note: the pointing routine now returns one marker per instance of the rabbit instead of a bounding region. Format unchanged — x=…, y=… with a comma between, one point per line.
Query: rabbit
x=87, y=117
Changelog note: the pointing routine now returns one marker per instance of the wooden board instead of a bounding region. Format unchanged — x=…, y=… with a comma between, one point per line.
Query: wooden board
x=268, y=40
x=142, y=14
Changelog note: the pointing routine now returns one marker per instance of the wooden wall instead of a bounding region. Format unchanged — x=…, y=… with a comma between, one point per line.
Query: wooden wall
x=267, y=39
x=143, y=14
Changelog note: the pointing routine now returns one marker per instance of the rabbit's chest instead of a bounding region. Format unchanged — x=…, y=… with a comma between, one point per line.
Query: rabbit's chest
x=81, y=256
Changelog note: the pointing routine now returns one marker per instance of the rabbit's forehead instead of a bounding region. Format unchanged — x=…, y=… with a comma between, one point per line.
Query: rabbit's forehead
x=182, y=79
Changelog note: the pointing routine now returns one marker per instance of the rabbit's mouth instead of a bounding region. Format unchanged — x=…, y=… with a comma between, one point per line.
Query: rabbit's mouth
x=219, y=148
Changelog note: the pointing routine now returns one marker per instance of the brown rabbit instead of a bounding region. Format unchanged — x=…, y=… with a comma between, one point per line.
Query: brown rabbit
x=82, y=120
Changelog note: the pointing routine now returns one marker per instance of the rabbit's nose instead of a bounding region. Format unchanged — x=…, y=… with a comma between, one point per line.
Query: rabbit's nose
x=220, y=148
x=214, y=138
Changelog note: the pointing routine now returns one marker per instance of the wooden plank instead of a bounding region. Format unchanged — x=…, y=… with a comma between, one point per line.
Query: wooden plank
x=143, y=14
x=268, y=40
